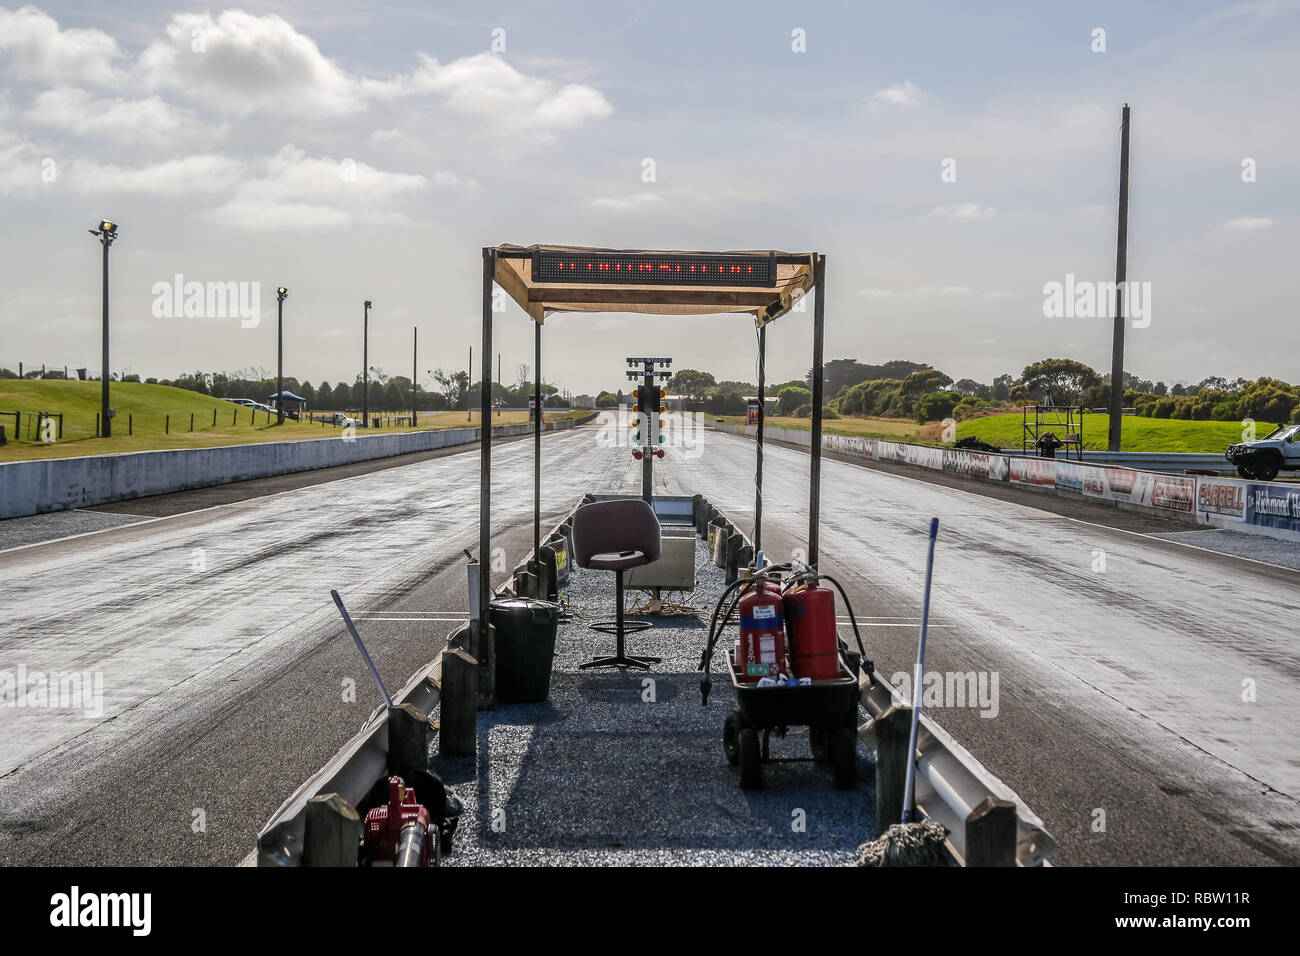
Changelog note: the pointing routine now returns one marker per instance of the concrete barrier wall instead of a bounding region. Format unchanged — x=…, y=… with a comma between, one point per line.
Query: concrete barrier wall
x=56, y=484
x=1259, y=507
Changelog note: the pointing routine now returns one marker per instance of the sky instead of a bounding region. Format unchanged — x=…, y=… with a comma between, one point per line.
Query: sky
x=950, y=159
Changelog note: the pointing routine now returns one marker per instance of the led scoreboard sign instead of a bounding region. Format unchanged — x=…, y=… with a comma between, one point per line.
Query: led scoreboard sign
x=632, y=268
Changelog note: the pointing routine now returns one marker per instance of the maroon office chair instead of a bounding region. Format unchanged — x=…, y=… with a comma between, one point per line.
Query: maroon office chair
x=615, y=536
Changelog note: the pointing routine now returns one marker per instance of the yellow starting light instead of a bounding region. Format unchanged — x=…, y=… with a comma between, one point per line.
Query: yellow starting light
x=663, y=409
x=635, y=409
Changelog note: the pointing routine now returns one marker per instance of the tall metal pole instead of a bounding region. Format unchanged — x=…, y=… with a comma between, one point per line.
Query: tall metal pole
x=501, y=379
x=365, y=369
x=469, y=414
x=106, y=429
x=1121, y=276
x=650, y=419
x=537, y=439
x=758, y=467
x=279, y=357
x=485, y=451
x=415, y=364
x=815, y=477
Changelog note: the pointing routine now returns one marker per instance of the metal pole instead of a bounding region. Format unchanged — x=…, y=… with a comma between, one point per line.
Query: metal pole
x=501, y=379
x=279, y=362
x=650, y=413
x=469, y=415
x=537, y=440
x=758, y=466
x=415, y=364
x=365, y=368
x=107, y=429
x=815, y=478
x=485, y=451
x=1121, y=275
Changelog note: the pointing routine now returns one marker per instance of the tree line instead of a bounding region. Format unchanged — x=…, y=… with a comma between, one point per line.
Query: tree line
x=905, y=389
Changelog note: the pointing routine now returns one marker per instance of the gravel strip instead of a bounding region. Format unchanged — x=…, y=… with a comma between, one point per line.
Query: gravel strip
x=15, y=532
x=1242, y=544
x=626, y=768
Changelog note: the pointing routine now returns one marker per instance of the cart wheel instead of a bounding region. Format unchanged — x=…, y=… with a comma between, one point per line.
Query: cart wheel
x=844, y=757
x=819, y=742
x=731, y=737
x=751, y=767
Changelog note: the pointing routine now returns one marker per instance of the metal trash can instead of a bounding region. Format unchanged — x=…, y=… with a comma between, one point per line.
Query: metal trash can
x=525, y=648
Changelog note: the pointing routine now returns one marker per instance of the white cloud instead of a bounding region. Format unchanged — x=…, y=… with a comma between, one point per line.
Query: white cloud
x=176, y=177
x=41, y=51
x=904, y=94
x=76, y=111
x=627, y=203
x=964, y=210
x=240, y=63
x=486, y=86
x=876, y=293
x=298, y=191
x=20, y=166
x=1249, y=223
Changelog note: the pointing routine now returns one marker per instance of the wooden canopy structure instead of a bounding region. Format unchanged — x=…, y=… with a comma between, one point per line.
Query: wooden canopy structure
x=544, y=279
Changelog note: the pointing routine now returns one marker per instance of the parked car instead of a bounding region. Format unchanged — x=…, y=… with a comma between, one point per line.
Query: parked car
x=343, y=421
x=1263, y=458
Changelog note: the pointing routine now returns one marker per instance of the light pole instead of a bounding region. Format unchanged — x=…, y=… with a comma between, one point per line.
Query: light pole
x=280, y=293
x=106, y=232
x=365, y=369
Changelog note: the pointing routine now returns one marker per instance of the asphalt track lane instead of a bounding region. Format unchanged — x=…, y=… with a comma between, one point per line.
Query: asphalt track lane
x=224, y=688
x=1119, y=690
x=241, y=731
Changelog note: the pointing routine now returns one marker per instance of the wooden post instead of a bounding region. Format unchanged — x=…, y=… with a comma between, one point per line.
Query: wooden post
x=991, y=834
x=191, y=421
x=214, y=418
x=331, y=833
x=735, y=540
x=458, y=717
x=893, y=730
x=167, y=425
x=408, y=741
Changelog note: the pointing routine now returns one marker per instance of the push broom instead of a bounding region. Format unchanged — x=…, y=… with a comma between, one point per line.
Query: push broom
x=912, y=842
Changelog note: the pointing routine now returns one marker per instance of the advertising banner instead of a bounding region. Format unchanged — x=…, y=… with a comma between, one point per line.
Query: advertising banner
x=1274, y=506
x=1223, y=498
x=1034, y=471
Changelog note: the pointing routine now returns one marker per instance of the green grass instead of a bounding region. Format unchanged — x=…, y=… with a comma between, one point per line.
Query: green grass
x=1139, y=433
x=1004, y=431
x=142, y=411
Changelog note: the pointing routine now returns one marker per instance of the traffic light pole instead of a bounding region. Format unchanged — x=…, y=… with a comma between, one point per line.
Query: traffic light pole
x=650, y=409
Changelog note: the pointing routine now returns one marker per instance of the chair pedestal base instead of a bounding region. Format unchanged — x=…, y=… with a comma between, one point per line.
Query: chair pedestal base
x=620, y=629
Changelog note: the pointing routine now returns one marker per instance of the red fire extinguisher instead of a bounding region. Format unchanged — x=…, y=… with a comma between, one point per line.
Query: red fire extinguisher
x=814, y=642
x=760, y=649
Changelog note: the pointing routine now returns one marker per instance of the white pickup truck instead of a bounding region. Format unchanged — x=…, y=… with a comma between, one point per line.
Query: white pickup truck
x=1263, y=458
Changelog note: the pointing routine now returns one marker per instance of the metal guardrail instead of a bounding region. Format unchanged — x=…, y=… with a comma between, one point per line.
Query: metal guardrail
x=1175, y=462
x=951, y=783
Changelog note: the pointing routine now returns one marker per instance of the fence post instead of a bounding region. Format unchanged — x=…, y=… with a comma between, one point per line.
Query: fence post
x=97, y=434
x=167, y=425
x=458, y=713
x=214, y=418
x=408, y=741
x=130, y=424
x=331, y=832
x=893, y=733
x=61, y=417
x=191, y=421
x=991, y=834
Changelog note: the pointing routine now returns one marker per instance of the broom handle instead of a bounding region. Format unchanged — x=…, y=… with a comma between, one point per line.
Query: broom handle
x=909, y=787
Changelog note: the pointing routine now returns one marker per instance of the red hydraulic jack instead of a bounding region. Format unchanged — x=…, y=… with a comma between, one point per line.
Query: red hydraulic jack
x=398, y=834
